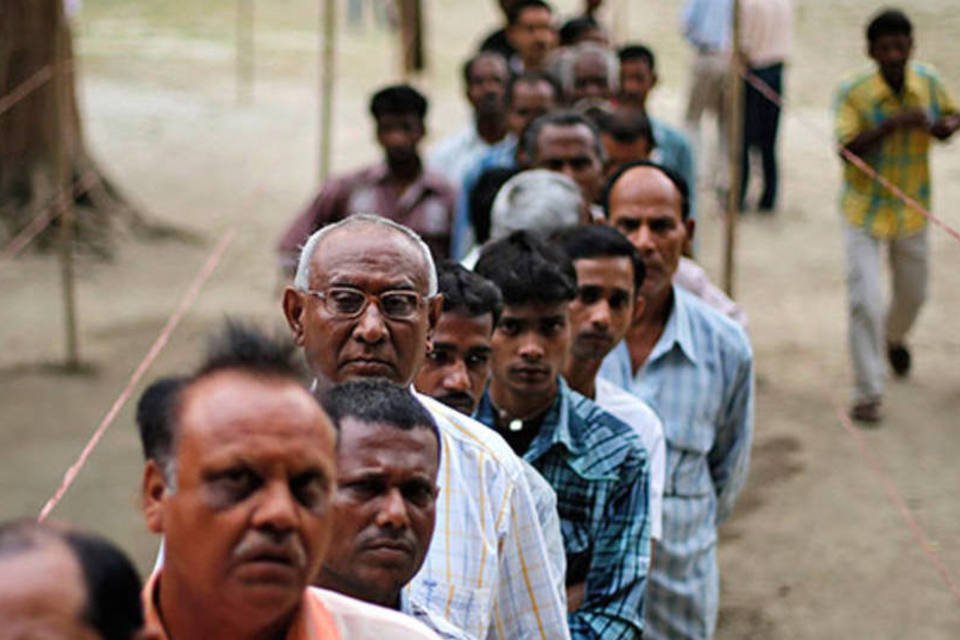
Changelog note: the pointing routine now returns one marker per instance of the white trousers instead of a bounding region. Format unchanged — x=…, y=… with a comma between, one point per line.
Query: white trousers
x=871, y=325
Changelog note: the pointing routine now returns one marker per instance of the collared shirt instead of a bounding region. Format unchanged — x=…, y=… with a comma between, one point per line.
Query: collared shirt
x=502, y=154
x=322, y=615
x=673, y=151
x=488, y=570
x=598, y=468
x=862, y=103
x=699, y=380
x=707, y=24
x=440, y=626
x=766, y=31
x=634, y=412
x=453, y=156
x=426, y=206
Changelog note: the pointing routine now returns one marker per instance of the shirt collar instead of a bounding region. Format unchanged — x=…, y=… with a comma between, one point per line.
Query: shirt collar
x=426, y=181
x=555, y=428
x=678, y=330
x=911, y=84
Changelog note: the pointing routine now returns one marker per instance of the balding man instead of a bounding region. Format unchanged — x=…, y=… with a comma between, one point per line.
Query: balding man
x=589, y=71
x=238, y=479
x=365, y=304
x=694, y=367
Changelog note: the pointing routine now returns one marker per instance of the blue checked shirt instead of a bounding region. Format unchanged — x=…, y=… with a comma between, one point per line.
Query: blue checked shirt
x=488, y=570
x=699, y=380
x=598, y=468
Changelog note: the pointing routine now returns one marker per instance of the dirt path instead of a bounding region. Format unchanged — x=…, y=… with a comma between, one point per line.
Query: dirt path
x=815, y=550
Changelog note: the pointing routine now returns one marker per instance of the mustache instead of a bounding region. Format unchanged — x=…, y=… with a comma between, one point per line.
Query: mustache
x=456, y=397
x=285, y=548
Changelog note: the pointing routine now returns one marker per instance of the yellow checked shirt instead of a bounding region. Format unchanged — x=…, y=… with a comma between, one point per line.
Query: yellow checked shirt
x=862, y=103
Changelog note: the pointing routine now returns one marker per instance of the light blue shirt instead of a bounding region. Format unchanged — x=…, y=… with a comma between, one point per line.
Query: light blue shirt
x=699, y=380
x=673, y=151
x=707, y=24
x=456, y=154
x=502, y=154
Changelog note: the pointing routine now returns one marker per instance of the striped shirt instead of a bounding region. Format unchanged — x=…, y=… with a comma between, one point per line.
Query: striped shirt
x=699, y=380
x=901, y=157
x=598, y=468
x=488, y=570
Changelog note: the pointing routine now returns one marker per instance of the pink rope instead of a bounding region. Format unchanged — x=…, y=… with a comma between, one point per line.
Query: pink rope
x=158, y=345
x=27, y=87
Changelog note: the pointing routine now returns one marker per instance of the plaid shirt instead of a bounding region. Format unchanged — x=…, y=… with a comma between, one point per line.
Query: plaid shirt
x=699, y=380
x=598, y=468
x=862, y=103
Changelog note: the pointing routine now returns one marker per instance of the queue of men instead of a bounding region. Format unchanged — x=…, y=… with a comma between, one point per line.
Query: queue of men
x=538, y=442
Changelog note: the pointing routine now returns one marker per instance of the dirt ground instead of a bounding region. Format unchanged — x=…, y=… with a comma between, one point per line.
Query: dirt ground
x=816, y=549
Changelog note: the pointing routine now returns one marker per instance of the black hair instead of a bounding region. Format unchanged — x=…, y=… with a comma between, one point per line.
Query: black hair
x=113, y=605
x=528, y=270
x=467, y=68
x=482, y=196
x=627, y=125
x=464, y=290
x=156, y=412
x=889, y=22
x=398, y=99
x=674, y=177
x=531, y=135
x=370, y=400
x=522, y=5
x=600, y=241
x=573, y=28
x=638, y=52
x=112, y=586
x=530, y=78
x=238, y=346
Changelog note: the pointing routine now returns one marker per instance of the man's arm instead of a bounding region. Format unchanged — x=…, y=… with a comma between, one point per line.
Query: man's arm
x=325, y=207
x=868, y=139
x=613, y=599
x=729, y=459
x=945, y=127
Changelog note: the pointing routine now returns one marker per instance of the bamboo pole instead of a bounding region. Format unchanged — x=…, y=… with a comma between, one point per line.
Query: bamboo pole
x=326, y=83
x=64, y=169
x=735, y=134
x=245, y=56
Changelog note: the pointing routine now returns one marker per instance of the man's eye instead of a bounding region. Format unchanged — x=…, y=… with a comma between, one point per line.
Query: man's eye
x=626, y=225
x=589, y=295
x=662, y=225
x=509, y=327
x=439, y=358
x=619, y=300
x=551, y=327
x=363, y=490
x=478, y=359
x=580, y=164
x=233, y=485
x=310, y=490
x=419, y=494
x=346, y=301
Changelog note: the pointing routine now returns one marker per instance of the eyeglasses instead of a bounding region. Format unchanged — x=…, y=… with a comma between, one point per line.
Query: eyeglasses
x=345, y=302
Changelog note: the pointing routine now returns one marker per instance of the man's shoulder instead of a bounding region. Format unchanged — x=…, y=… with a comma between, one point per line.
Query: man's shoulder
x=471, y=437
x=668, y=132
x=364, y=621
x=856, y=83
x=622, y=403
x=710, y=325
x=610, y=443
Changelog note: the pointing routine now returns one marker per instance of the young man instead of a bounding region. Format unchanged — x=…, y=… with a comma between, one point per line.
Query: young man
x=398, y=188
x=888, y=117
x=694, y=367
x=532, y=34
x=594, y=462
x=485, y=77
x=610, y=274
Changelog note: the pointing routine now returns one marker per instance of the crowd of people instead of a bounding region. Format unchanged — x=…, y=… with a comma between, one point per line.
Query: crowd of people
x=511, y=405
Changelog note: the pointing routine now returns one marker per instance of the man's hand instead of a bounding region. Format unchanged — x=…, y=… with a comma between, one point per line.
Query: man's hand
x=907, y=119
x=945, y=126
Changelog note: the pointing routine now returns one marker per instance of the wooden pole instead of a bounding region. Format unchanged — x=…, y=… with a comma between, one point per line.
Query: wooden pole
x=245, y=51
x=327, y=78
x=65, y=189
x=735, y=133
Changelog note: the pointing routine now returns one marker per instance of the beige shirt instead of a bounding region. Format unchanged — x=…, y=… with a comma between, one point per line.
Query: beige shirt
x=766, y=31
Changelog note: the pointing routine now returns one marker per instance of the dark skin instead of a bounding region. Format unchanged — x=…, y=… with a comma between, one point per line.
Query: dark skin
x=892, y=53
x=485, y=91
x=399, y=135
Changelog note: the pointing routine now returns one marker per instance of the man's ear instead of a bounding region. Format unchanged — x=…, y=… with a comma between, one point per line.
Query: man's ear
x=434, y=311
x=639, y=306
x=654, y=79
x=294, y=306
x=153, y=495
x=691, y=226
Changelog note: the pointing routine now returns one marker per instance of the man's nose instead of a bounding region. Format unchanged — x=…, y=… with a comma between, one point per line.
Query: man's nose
x=600, y=314
x=642, y=238
x=277, y=510
x=371, y=326
x=456, y=377
x=531, y=349
x=393, y=510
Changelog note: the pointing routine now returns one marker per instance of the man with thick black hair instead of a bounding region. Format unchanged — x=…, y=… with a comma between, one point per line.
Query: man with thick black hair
x=594, y=462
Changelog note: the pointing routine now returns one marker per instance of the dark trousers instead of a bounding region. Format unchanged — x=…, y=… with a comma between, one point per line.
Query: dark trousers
x=761, y=120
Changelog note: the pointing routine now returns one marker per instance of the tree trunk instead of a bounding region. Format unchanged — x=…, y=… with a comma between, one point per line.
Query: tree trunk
x=30, y=132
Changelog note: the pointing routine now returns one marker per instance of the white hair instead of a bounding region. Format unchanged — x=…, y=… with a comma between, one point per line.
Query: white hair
x=537, y=200
x=301, y=280
x=573, y=55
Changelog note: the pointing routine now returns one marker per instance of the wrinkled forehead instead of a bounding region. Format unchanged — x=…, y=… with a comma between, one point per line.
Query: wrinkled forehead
x=369, y=256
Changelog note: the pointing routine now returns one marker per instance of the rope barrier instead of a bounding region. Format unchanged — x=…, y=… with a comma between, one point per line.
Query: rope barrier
x=189, y=297
x=30, y=85
x=49, y=214
x=897, y=500
x=770, y=94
